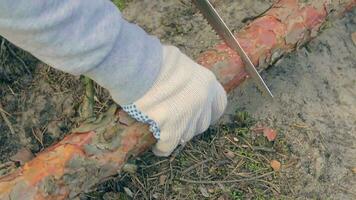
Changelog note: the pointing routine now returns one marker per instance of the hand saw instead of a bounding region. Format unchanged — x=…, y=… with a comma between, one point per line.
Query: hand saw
x=224, y=32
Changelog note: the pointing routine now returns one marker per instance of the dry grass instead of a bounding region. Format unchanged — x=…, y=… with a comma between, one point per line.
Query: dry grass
x=14, y=62
x=228, y=162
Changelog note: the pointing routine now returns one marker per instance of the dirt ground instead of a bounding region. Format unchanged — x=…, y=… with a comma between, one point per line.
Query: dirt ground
x=315, y=108
x=314, y=111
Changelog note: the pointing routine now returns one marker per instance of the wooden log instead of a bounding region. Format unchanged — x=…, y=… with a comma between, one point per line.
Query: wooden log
x=93, y=152
x=99, y=149
x=283, y=28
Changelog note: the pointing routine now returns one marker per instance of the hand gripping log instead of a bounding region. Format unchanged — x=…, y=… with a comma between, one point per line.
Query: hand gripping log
x=99, y=149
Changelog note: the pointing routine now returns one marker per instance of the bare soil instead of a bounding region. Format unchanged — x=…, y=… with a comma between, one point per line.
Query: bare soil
x=315, y=109
x=314, y=112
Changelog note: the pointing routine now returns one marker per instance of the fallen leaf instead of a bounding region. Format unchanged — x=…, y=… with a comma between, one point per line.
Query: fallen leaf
x=270, y=134
x=22, y=156
x=229, y=154
x=353, y=37
x=276, y=165
x=156, y=195
x=128, y=192
x=130, y=168
x=204, y=191
x=354, y=170
x=211, y=190
x=38, y=134
x=162, y=179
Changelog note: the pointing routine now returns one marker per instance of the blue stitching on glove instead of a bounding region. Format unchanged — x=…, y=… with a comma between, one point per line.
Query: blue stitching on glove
x=132, y=110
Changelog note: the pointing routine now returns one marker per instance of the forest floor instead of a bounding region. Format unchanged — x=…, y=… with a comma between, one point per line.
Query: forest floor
x=314, y=114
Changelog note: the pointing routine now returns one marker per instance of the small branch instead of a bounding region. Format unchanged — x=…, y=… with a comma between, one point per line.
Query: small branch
x=255, y=148
x=7, y=121
x=225, y=181
x=196, y=165
x=18, y=58
x=87, y=110
x=2, y=44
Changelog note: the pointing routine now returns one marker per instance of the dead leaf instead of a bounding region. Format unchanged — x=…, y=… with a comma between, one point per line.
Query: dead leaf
x=211, y=190
x=204, y=191
x=229, y=154
x=22, y=156
x=270, y=134
x=354, y=170
x=128, y=192
x=130, y=168
x=162, y=179
x=276, y=165
x=353, y=37
x=156, y=195
x=38, y=134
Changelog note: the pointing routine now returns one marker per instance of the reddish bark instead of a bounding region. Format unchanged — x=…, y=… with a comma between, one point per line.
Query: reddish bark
x=93, y=152
x=99, y=149
x=287, y=25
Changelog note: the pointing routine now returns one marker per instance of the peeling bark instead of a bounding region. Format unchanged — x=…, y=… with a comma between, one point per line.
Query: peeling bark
x=99, y=149
x=93, y=152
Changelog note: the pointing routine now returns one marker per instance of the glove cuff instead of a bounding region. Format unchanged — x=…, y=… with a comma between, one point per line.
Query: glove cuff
x=133, y=111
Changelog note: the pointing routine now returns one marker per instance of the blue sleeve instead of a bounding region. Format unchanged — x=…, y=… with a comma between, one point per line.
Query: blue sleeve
x=87, y=37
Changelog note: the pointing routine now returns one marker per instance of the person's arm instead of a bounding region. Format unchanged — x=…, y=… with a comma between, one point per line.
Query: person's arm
x=85, y=37
x=154, y=83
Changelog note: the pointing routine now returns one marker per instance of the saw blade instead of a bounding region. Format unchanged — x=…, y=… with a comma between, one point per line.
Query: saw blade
x=220, y=27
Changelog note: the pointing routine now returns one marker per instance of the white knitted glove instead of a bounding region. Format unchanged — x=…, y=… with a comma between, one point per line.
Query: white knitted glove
x=184, y=100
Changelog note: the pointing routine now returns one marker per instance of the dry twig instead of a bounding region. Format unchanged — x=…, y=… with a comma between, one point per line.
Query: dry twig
x=18, y=58
x=226, y=181
x=7, y=121
x=88, y=101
